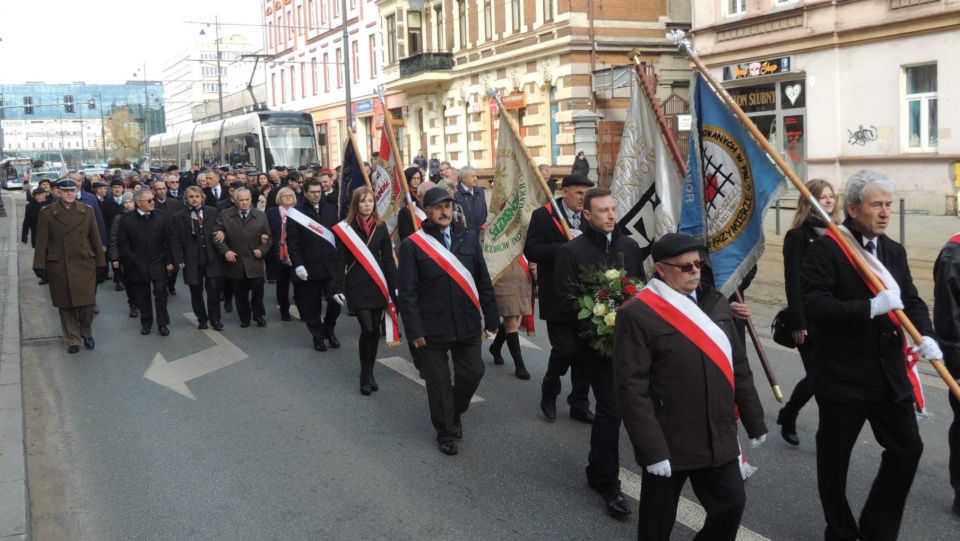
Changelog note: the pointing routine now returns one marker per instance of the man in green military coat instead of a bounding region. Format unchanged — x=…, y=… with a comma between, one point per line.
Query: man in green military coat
x=69, y=254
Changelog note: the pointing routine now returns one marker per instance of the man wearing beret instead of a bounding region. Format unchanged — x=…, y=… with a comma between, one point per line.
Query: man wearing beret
x=446, y=300
x=69, y=254
x=545, y=236
x=681, y=376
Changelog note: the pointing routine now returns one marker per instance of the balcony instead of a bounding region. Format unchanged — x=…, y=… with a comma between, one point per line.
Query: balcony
x=425, y=62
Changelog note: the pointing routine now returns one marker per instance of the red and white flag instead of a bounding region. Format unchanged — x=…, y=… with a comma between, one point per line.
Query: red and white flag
x=385, y=178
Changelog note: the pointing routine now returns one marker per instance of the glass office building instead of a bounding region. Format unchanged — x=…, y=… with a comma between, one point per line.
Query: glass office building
x=86, y=123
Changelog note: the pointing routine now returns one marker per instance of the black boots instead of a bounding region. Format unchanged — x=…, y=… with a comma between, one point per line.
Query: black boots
x=497, y=345
x=513, y=344
x=368, y=358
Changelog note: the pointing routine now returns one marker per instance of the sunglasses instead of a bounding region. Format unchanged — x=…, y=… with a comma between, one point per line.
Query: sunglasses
x=688, y=267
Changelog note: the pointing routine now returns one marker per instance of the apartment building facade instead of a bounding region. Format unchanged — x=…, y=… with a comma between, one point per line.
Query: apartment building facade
x=842, y=86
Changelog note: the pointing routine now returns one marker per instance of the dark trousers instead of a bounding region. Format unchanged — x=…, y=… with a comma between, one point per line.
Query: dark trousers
x=894, y=425
x=803, y=392
x=310, y=296
x=562, y=337
x=248, y=294
x=172, y=279
x=142, y=294
x=953, y=441
x=603, y=466
x=208, y=310
x=227, y=290
x=719, y=489
x=283, y=288
x=272, y=265
x=448, y=400
x=128, y=287
x=118, y=276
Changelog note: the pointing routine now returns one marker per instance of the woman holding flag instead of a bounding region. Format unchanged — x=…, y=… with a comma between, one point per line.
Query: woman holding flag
x=368, y=277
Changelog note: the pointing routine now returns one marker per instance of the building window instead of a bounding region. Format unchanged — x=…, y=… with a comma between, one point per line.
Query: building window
x=291, y=24
x=391, y=39
x=269, y=35
x=209, y=87
x=311, y=12
x=323, y=12
x=293, y=83
x=336, y=8
x=438, y=33
x=273, y=88
x=326, y=72
x=281, y=36
x=515, y=10
x=313, y=76
x=353, y=4
x=373, y=57
x=921, y=108
x=735, y=7
x=68, y=104
x=462, y=22
x=548, y=10
x=355, y=60
x=414, y=41
x=488, y=20
x=300, y=21
x=339, y=67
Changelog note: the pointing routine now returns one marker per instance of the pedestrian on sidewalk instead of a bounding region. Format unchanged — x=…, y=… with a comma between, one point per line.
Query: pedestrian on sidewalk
x=31, y=215
x=806, y=227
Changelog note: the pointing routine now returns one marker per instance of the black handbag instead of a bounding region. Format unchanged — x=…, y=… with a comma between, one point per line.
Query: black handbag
x=781, y=329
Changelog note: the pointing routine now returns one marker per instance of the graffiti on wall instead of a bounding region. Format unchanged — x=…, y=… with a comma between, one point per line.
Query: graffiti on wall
x=862, y=135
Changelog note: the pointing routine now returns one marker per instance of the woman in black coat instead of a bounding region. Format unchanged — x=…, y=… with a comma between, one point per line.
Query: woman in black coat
x=32, y=215
x=364, y=297
x=805, y=229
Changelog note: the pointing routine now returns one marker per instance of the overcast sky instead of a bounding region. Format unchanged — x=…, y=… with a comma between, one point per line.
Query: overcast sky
x=106, y=41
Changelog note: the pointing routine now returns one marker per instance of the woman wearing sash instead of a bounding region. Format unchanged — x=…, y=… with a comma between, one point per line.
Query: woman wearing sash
x=364, y=295
x=807, y=226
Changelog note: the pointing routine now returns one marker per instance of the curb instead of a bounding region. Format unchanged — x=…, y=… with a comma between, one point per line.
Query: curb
x=14, y=500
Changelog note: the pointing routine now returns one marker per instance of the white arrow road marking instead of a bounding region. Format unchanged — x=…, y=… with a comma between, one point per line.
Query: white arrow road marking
x=689, y=513
x=174, y=375
x=528, y=344
x=407, y=369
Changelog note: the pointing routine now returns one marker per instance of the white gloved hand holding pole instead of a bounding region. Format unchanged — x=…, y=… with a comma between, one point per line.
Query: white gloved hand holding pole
x=301, y=272
x=884, y=302
x=340, y=298
x=661, y=468
x=929, y=349
x=756, y=442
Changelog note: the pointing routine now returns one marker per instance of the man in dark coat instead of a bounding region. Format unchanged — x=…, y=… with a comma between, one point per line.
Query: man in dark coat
x=545, y=236
x=171, y=207
x=946, y=321
x=440, y=316
x=471, y=198
x=112, y=206
x=91, y=200
x=244, y=241
x=313, y=259
x=69, y=255
x=193, y=252
x=859, y=365
x=31, y=216
x=600, y=244
x=216, y=190
x=678, y=397
x=174, y=189
x=143, y=242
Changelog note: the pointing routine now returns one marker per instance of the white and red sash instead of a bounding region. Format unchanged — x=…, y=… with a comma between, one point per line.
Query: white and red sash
x=555, y=215
x=911, y=358
x=449, y=263
x=528, y=322
x=955, y=239
x=365, y=257
x=419, y=216
x=312, y=225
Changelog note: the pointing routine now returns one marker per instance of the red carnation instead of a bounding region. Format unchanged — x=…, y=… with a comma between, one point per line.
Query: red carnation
x=603, y=294
x=630, y=289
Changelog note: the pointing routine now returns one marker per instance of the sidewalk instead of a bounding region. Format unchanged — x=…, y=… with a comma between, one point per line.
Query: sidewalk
x=13, y=481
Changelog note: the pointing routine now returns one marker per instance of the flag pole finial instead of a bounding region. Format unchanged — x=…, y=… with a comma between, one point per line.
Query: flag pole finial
x=634, y=55
x=679, y=38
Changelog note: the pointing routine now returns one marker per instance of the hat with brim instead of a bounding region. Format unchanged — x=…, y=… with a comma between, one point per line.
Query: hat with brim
x=67, y=184
x=576, y=180
x=435, y=196
x=38, y=191
x=674, y=244
x=116, y=182
x=100, y=184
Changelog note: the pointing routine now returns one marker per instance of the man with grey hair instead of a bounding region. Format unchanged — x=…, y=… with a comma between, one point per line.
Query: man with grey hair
x=471, y=198
x=143, y=243
x=862, y=362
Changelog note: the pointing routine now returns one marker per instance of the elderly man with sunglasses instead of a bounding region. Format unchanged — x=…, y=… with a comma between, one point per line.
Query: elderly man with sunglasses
x=681, y=376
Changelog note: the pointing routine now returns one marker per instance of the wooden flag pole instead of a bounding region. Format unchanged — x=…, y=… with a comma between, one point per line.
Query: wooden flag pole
x=678, y=37
x=681, y=166
x=397, y=157
x=495, y=94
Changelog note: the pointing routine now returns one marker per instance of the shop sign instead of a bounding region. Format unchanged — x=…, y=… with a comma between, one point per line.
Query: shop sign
x=757, y=68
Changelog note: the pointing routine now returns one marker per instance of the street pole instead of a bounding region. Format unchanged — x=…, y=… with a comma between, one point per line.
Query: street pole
x=146, y=115
x=103, y=129
x=216, y=28
x=346, y=65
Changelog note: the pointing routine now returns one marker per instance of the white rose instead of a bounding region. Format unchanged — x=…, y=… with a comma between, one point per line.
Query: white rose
x=600, y=309
x=612, y=274
x=610, y=319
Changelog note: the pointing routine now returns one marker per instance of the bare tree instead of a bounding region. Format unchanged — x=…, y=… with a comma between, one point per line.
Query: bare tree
x=125, y=132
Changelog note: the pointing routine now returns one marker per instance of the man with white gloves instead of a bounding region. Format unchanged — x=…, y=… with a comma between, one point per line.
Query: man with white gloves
x=313, y=254
x=861, y=360
x=681, y=376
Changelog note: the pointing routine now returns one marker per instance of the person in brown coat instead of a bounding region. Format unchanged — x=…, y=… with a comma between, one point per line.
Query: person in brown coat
x=69, y=254
x=243, y=240
x=681, y=374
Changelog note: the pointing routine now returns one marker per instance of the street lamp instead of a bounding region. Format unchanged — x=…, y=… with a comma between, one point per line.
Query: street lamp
x=216, y=29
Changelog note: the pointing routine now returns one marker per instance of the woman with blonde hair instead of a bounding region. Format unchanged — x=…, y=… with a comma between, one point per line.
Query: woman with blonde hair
x=364, y=296
x=807, y=226
x=278, y=265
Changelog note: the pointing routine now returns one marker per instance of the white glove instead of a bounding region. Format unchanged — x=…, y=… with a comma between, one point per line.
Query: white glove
x=929, y=349
x=755, y=442
x=301, y=272
x=340, y=298
x=884, y=302
x=661, y=468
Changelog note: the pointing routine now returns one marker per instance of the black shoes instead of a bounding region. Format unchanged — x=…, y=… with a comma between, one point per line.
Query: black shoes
x=172, y=291
x=73, y=349
x=261, y=321
x=217, y=326
x=284, y=315
x=144, y=330
x=334, y=342
x=202, y=325
x=788, y=427
x=89, y=343
x=243, y=324
x=319, y=345
x=956, y=504
x=583, y=415
x=448, y=448
x=134, y=312
x=548, y=406
x=228, y=306
x=365, y=389
x=163, y=330
x=119, y=286
x=374, y=386
x=521, y=371
x=497, y=357
x=616, y=504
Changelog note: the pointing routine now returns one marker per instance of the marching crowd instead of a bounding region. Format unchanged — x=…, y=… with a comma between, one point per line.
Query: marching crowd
x=678, y=379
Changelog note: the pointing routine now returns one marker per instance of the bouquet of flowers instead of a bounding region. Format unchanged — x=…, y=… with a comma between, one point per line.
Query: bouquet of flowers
x=603, y=290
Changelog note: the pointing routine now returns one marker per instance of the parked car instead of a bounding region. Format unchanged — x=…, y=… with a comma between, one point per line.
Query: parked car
x=36, y=177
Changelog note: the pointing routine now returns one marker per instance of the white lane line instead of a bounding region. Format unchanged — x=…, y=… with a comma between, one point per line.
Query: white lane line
x=406, y=368
x=689, y=513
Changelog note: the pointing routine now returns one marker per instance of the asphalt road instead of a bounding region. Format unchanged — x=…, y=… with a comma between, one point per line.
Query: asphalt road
x=281, y=445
